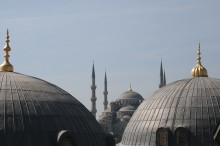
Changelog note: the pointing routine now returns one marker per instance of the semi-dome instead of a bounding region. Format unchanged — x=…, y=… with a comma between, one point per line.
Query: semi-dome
x=192, y=104
x=127, y=108
x=126, y=118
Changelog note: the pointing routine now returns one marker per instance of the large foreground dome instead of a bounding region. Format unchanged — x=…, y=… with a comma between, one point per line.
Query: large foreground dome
x=183, y=113
x=192, y=104
x=34, y=112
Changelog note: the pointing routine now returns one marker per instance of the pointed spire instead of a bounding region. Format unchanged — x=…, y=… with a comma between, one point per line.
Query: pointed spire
x=130, y=89
x=161, y=75
x=105, y=103
x=199, y=55
x=164, y=78
x=6, y=66
x=105, y=78
x=199, y=70
x=93, y=70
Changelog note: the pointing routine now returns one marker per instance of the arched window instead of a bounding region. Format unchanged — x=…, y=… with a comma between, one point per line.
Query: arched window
x=181, y=136
x=65, y=138
x=162, y=137
x=67, y=141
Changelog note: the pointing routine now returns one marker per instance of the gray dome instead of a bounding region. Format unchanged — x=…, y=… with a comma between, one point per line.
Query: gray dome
x=126, y=117
x=130, y=95
x=127, y=108
x=193, y=104
x=35, y=112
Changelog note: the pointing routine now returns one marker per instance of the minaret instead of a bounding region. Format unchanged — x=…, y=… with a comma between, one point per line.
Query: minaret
x=105, y=93
x=161, y=75
x=199, y=70
x=6, y=66
x=93, y=88
x=164, y=78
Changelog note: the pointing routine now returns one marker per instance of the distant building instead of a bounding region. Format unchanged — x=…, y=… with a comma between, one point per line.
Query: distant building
x=115, y=118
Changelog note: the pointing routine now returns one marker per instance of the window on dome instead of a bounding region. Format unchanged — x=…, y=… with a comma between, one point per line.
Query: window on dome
x=67, y=141
x=181, y=136
x=162, y=137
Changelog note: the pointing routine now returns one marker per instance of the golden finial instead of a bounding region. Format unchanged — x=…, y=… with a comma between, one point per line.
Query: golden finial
x=130, y=89
x=6, y=66
x=199, y=70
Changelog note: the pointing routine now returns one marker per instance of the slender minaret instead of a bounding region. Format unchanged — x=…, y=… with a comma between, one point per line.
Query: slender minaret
x=93, y=88
x=164, y=79
x=161, y=75
x=105, y=93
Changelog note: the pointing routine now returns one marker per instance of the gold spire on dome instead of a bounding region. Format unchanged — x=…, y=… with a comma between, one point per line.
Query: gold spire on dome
x=130, y=89
x=6, y=66
x=199, y=70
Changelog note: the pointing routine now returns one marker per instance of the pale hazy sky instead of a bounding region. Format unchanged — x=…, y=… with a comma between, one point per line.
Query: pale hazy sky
x=58, y=40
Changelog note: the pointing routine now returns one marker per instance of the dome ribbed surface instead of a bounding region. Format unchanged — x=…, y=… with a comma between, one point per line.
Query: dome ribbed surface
x=33, y=111
x=191, y=103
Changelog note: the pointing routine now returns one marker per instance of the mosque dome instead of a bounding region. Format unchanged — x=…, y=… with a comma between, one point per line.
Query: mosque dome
x=126, y=118
x=130, y=95
x=128, y=108
x=35, y=112
x=190, y=103
x=184, y=112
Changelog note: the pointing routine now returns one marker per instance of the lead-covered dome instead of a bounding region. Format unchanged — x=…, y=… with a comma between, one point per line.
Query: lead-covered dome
x=35, y=112
x=129, y=97
x=185, y=111
x=128, y=108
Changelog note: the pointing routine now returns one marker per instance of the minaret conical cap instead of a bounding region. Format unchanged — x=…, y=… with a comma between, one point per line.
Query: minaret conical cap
x=130, y=89
x=199, y=70
x=6, y=65
x=93, y=70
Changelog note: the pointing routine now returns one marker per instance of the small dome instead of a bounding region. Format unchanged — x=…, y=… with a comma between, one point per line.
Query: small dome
x=126, y=117
x=127, y=108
